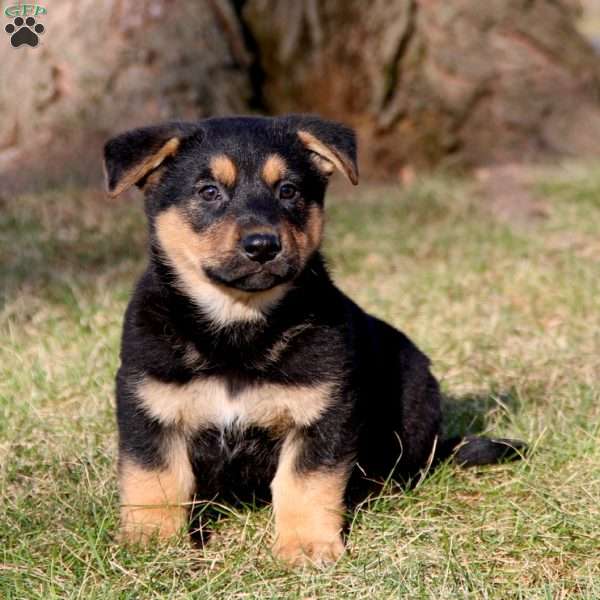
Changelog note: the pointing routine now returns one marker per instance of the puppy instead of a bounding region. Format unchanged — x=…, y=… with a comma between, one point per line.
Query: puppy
x=245, y=373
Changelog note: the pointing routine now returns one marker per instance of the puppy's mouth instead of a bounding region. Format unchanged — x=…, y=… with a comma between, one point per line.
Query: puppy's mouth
x=252, y=277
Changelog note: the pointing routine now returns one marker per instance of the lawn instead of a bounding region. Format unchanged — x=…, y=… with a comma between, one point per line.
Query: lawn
x=506, y=305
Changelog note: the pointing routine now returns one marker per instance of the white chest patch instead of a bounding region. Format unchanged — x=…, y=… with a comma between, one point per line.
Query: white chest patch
x=209, y=402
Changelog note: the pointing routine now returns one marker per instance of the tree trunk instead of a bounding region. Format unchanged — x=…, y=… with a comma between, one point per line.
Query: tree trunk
x=424, y=81
x=430, y=81
x=103, y=66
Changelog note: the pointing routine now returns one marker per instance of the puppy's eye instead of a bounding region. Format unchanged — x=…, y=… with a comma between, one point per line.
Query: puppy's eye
x=287, y=191
x=210, y=193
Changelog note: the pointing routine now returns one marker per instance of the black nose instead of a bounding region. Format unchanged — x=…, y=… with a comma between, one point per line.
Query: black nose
x=261, y=247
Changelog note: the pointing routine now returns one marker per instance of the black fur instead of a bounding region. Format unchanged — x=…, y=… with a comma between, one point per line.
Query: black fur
x=386, y=415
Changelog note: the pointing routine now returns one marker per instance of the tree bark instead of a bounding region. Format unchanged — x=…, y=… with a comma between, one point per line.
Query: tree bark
x=430, y=81
x=104, y=66
x=424, y=81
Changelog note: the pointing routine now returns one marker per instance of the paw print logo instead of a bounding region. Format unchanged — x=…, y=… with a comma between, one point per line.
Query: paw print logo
x=24, y=32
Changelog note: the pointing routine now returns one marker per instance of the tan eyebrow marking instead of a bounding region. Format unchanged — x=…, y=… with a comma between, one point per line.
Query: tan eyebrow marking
x=223, y=169
x=273, y=169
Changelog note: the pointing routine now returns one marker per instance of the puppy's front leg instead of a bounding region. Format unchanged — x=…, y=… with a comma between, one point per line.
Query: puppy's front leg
x=308, y=507
x=153, y=499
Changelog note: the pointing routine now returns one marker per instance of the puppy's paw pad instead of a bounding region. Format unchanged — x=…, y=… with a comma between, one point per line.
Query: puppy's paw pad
x=309, y=553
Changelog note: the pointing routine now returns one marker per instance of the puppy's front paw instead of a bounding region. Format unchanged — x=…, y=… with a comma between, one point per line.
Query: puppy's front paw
x=303, y=552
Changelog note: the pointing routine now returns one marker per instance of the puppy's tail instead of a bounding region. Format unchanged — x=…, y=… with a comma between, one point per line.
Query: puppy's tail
x=472, y=451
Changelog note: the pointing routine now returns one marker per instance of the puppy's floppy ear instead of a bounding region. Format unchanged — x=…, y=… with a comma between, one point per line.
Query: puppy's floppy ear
x=332, y=144
x=131, y=156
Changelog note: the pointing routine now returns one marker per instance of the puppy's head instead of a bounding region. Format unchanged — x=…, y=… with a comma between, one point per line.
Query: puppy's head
x=236, y=203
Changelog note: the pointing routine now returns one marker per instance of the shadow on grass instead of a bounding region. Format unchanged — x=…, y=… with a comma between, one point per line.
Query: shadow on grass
x=474, y=414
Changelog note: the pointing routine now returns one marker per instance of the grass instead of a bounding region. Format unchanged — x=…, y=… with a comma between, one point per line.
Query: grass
x=509, y=313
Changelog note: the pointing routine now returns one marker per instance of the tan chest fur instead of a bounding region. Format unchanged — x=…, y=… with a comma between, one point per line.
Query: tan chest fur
x=209, y=402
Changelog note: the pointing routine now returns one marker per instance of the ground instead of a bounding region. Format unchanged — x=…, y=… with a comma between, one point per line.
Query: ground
x=506, y=303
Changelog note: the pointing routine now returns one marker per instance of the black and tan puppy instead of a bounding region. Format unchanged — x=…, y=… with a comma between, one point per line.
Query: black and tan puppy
x=244, y=369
